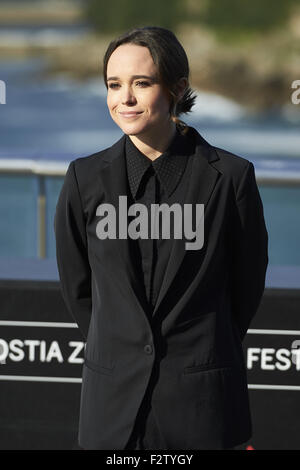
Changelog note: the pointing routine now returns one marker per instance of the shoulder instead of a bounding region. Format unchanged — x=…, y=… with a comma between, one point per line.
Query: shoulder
x=91, y=162
x=226, y=162
x=230, y=163
x=238, y=172
x=87, y=165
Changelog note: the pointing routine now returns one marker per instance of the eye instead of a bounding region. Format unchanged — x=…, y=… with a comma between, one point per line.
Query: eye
x=142, y=83
x=113, y=85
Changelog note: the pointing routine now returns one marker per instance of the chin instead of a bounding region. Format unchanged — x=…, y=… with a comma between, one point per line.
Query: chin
x=133, y=129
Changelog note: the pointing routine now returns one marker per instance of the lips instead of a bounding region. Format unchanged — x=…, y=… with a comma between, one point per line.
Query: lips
x=130, y=113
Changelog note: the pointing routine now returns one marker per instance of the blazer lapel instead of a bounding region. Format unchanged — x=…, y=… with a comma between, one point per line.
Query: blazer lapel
x=114, y=184
x=201, y=185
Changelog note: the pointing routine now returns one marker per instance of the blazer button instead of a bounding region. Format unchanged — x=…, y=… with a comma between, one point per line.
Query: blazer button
x=148, y=349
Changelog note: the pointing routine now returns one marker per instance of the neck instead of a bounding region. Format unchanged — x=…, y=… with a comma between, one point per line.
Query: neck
x=154, y=145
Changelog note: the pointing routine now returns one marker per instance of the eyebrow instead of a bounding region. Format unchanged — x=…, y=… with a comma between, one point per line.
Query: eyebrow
x=135, y=77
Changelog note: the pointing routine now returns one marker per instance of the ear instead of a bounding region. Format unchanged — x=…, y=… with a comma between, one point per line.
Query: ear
x=181, y=86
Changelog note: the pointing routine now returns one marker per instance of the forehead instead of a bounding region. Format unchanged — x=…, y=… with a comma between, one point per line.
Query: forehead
x=130, y=59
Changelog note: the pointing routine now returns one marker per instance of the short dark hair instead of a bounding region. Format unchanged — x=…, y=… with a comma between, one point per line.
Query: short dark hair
x=167, y=54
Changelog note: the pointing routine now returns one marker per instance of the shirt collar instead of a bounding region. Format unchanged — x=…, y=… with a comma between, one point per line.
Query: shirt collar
x=169, y=166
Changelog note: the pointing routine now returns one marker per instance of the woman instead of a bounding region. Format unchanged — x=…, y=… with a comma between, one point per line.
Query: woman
x=162, y=301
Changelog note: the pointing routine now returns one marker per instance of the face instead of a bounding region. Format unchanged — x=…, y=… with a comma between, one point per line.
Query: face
x=137, y=101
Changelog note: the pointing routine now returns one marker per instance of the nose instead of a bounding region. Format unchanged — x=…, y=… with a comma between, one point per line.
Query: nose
x=128, y=96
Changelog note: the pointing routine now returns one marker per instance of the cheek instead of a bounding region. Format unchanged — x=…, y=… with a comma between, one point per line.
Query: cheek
x=161, y=104
x=111, y=102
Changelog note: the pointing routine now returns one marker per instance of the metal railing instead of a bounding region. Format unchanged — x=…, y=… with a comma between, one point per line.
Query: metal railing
x=267, y=171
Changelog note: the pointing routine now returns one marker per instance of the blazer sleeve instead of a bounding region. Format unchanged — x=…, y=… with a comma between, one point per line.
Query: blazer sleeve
x=250, y=252
x=71, y=252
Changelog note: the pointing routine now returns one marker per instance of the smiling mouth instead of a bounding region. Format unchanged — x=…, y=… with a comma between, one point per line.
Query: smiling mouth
x=130, y=114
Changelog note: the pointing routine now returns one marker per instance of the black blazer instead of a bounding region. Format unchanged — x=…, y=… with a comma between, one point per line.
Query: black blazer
x=191, y=350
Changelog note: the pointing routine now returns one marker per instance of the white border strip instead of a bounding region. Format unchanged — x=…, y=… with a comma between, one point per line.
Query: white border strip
x=273, y=332
x=258, y=331
x=33, y=378
x=273, y=387
x=38, y=323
